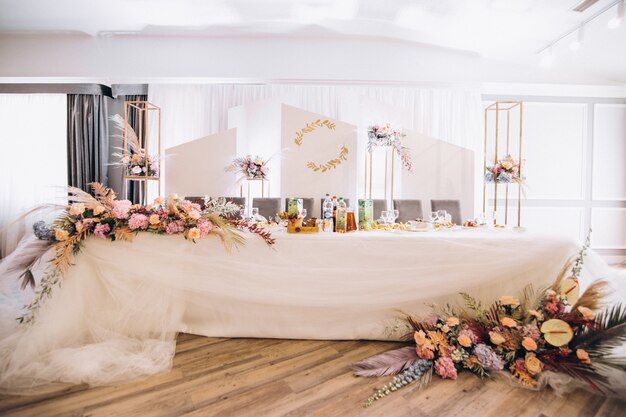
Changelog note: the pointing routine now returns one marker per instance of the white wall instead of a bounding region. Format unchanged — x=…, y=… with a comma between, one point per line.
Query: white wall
x=575, y=152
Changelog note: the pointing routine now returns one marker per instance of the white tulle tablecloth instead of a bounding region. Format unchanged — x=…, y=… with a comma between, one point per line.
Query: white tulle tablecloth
x=119, y=307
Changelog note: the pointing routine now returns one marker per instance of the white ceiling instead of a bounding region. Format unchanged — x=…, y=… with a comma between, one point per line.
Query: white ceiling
x=500, y=30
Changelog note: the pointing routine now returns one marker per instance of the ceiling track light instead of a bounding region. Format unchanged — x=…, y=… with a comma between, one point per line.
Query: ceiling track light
x=615, y=22
x=576, y=44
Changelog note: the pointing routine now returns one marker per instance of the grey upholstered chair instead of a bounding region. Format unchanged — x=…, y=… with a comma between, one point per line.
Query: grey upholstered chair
x=197, y=200
x=347, y=200
x=379, y=205
x=409, y=209
x=453, y=207
x=307, y=204
x=268, y=207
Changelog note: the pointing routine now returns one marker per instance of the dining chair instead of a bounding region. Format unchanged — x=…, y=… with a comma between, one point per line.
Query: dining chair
x=197, y=200
x=409, y=209
x=380, y=204
x=307, y=204
x=453, y=207
x=268, y=206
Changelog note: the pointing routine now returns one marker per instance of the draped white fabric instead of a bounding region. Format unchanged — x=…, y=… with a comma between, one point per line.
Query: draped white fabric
x=117, y=312
x=191, y=111
x=33, y=160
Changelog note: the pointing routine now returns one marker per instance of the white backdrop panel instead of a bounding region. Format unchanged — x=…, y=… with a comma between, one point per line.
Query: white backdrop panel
x=442, y=171
x=196, y=168
x=609, y=152
x=318, y=146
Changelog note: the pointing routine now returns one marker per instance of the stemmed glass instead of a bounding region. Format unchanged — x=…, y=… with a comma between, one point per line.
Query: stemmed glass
x=394, y=214
x=441, y=214
x=384, y=215
x=433, y=216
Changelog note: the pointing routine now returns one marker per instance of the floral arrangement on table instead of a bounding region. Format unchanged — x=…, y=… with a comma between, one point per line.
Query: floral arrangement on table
x=103, y=216
x=505, y=171
x=386, y=135
x=250, y=167
x=554, y=331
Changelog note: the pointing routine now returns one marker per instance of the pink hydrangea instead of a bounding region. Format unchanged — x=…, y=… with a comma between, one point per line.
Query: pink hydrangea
x=138, y=221
x=101, y=230
x=205, y=226
x=444, y=367
x=121, y=208
x=174, y=227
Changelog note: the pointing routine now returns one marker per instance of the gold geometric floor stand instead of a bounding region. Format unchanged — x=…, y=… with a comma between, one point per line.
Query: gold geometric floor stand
x=369, y=173
x=503, y=111
x=248, y=208
x=144, y=110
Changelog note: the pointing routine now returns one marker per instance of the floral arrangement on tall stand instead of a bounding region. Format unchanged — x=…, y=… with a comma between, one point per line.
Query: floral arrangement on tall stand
x=102, y=216
x=505, y=171
x=249, y=167
x=528, y=338
x=386, y=135
x=134, y=159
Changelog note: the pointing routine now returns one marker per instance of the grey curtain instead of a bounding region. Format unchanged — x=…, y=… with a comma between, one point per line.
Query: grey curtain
x=133, y=121
x=87, y=140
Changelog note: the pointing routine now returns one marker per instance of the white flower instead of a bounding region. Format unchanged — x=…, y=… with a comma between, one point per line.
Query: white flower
x=136, y=170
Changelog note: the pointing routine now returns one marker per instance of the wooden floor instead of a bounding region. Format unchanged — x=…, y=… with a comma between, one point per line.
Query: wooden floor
x=264, y=377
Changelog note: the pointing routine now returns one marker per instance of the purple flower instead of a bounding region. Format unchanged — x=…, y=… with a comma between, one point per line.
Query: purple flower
x=101, y=230
x=488, y=358
x=138, y=221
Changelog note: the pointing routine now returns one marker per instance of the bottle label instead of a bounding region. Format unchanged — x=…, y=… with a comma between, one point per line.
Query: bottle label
x=341, y=219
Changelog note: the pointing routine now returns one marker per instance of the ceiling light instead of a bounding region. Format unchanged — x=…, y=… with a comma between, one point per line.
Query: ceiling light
x=617, y=20
x=577, y=43
x=547, y=59
x=584, y=5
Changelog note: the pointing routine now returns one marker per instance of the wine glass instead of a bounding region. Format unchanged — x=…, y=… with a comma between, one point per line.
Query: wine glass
x=441, y=214
x=303, y=213
x=384, y=215
x=394, y=214
x=433, y=216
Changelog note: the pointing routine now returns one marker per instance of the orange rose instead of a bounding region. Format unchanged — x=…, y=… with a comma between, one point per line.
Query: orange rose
x=194, y=233
x=452, y=321
x=420, y=337
x=508, y=322
x=465, y=341
x=533, y=364
x=529, y=344
x=155, y=219
x=98, y=210
x=496, y=338
x=60, y=234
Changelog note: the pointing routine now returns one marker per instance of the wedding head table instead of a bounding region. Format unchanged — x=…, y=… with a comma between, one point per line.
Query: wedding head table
x=119, y=307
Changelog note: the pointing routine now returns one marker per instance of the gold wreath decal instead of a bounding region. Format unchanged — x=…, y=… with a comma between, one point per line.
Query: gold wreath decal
x=310, y=127
x=330, y=164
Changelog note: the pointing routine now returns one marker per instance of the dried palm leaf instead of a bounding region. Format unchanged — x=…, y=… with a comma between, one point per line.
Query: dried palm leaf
x=79, y=196
x=131, y=136
x=556, y=285
x=387, y=363
x=123, y=233
x=592, y=297
x=104, y=194
x=228, y=233
x=24, y=258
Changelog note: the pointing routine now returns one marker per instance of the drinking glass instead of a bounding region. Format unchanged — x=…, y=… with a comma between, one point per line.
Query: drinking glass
x=441, y=214
x=303, y=213
x=433, y=216
x=384, y=215
x=394, y=215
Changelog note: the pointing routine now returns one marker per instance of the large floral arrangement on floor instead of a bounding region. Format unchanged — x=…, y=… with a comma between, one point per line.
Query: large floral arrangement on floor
x=527, y=338
x=103, y=216
x=250, y=167
x=386, y=135
x=505, y=171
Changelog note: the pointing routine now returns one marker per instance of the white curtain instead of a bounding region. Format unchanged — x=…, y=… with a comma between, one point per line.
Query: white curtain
x=195, y=110
x=33, y=158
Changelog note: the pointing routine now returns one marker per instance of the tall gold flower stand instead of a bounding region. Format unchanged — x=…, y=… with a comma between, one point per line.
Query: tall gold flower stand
x=142, y=112
x=499, y=117
x=388, y=172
